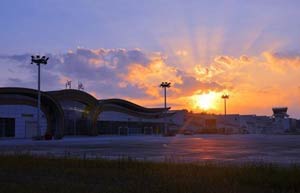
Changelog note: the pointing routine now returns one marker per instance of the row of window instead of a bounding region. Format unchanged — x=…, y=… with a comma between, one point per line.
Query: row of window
x=80, y=127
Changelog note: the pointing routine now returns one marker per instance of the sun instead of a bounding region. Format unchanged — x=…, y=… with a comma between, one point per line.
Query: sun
x=206, y=101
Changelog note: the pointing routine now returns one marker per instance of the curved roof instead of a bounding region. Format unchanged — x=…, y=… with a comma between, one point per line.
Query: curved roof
x=72, y=94
x=51, y=101
x=130, y=105
x=27, y=92
x=86, y=98
x=48, y=103
x=81, y=96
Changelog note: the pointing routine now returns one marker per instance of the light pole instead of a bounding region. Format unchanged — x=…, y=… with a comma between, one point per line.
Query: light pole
x=225, y=97
x=165, y=85
x=38, y=61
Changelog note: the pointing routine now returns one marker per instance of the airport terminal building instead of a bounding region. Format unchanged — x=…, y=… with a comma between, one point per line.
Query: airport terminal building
x=72, y=112
x=75, y=112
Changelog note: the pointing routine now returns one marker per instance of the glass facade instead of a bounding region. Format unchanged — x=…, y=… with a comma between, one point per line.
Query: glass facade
x=76, y=118
x=128, y=128
x=120, y=123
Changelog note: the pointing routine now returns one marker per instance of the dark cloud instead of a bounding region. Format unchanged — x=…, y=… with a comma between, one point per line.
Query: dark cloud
x=282, y=60
x=14, y=80
x=17, y=82
x=224, y=60
x=110, y=73
x=245, y=59
x=100, y=70
x=286, y=55
x=190, y=84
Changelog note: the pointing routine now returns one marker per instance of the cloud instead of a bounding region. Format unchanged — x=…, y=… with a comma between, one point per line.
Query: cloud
x=245, y=59
x=190, y=85
x=101, y=70
x=135, y=75
x=227, y=60
x=282, y=61
x=149, y=76
x=15, y=80
x=125, y=73
x=112, y=73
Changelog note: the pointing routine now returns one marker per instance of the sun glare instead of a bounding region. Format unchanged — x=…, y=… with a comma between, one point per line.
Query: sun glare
x=206, y=101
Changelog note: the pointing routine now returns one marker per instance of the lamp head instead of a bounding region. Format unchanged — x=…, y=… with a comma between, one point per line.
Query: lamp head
x=165, y=84
x=225, y=96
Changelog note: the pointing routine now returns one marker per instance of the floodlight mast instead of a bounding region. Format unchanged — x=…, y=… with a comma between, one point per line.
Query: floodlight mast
x=165, y=85
x=38, y=61
x=225, y=97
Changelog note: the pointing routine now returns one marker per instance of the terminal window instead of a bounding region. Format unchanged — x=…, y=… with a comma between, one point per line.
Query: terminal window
x=7, y=127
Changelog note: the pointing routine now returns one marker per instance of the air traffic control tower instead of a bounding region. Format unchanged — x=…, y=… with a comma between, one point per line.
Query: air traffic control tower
x=280, y=112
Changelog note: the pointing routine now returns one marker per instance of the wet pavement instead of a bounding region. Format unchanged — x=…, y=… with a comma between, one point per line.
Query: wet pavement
x=283, y=149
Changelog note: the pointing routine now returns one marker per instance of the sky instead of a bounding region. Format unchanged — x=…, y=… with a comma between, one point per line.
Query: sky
x=249, y=50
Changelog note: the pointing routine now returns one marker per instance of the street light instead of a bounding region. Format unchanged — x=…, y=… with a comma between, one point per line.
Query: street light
x=38, y=61
x=225, y=97
x=165, y=85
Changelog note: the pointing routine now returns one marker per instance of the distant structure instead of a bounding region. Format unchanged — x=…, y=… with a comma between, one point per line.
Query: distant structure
x=225, y=97
x=69, y=84
x=280, y=112
x=80, y=86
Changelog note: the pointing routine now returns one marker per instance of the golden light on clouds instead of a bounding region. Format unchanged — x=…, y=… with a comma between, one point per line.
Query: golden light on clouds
x=148, y=77
x=255, y=82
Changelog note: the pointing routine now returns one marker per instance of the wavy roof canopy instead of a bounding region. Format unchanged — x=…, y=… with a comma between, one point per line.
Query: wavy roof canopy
x=27, y=92
x=73, y=94
x=51, y=101
x=49, y=104
x=130, y=105
x=86, y=98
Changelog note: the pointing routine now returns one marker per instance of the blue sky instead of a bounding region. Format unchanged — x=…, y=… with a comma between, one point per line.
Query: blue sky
x=54, y=25
x=240, y=45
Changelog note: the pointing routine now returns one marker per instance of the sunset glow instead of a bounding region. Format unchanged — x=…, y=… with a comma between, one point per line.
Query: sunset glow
x=201, y=47
x=206, y=101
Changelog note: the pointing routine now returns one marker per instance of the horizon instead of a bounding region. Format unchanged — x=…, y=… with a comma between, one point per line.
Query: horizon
x=125, y=49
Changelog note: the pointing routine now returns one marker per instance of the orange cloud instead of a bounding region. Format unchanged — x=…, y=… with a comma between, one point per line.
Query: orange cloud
x=254, y=83
x=281, y=62
x=148, y=77
x=227, y=60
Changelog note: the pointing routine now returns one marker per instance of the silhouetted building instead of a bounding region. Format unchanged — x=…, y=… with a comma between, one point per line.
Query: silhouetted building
x=235, y=123
x=75, y=112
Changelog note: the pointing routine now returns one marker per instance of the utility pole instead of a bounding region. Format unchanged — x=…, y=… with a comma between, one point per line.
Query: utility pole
x=38, y=61
x=165, y=85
